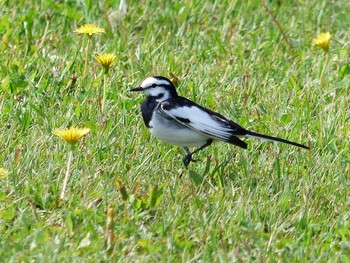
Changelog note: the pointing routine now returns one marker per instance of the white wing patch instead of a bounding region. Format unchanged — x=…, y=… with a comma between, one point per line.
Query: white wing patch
x=199, y=120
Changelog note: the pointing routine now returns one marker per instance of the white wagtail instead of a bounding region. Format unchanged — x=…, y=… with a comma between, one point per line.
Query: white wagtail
x=179, y=121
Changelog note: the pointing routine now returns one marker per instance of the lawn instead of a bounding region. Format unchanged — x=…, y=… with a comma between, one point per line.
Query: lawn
x=128, y=197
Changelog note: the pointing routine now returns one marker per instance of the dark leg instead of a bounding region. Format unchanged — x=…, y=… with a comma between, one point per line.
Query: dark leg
x=188, y=157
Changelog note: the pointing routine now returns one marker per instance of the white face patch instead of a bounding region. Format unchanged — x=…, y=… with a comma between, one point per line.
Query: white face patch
x=155, y=92
x=155, y=88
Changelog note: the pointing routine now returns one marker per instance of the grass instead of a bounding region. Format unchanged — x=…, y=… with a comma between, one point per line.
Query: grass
x=272, y=202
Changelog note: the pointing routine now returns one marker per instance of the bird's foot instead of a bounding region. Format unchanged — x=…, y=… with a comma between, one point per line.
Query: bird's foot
x=187, y=159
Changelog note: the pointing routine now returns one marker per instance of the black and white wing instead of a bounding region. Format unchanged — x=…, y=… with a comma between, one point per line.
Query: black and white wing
x=202, y=120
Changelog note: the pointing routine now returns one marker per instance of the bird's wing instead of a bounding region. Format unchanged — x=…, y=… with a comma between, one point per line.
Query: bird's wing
x=202, y=120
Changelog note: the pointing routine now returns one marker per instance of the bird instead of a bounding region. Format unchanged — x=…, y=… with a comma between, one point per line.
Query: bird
x=179, y=121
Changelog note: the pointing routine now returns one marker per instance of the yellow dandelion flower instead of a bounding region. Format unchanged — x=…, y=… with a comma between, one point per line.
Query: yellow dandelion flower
x=89, y=29
x=3, y=173
x=105, y=60
x=71, y=135
x=323, y=41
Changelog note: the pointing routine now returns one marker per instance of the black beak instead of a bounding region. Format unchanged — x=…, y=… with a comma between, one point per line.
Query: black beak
x=137, y=89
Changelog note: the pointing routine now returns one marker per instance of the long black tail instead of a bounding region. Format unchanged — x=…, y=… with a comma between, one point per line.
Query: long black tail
x=267, y=137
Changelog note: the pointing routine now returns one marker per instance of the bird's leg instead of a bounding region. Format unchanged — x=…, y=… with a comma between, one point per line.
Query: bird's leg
x=188, y=157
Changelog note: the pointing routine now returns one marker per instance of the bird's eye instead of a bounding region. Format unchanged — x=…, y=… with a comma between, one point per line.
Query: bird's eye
x=154, y=85
x=160, y=95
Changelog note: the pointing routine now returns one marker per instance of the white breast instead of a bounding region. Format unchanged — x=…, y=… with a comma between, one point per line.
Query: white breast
x=170, y=131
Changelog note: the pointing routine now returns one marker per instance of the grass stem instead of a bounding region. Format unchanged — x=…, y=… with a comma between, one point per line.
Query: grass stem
x=66, y=178
x=86, y=57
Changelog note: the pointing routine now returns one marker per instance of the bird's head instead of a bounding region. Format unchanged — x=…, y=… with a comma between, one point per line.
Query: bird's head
x=158, y=87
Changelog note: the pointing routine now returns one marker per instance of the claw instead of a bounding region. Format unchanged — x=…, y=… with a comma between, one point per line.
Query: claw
x=187, y=159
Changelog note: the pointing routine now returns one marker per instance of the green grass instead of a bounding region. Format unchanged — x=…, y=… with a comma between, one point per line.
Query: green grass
x=272, y=202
